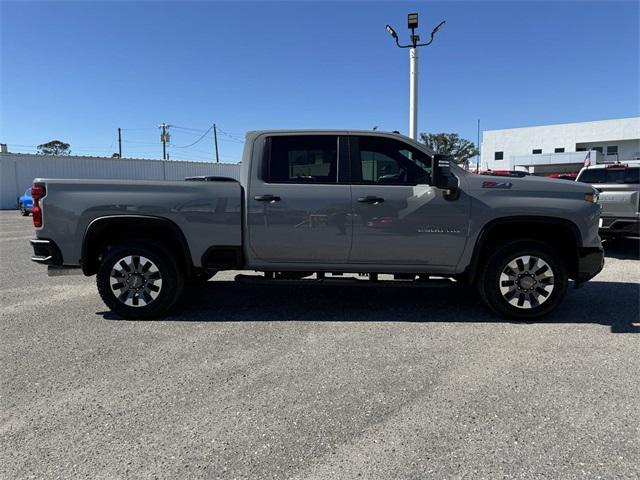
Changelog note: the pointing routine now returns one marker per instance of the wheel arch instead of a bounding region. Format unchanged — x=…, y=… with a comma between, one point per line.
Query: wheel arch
x=104, y=232
x=559, y=233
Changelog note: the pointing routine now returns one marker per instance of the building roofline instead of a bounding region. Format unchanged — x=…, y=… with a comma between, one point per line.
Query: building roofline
x=37, y=155
x=565, y=124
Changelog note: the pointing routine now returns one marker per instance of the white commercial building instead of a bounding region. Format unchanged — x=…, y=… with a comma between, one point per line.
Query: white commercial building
x=17, y=170
x=562, y=147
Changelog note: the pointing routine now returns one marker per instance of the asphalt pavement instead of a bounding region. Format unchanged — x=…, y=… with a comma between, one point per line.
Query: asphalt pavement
x=314, y=382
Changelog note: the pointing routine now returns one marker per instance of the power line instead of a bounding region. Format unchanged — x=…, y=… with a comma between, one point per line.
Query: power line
x=230, y=140
x=237, y=134
x=201, y=137
x=139, y=143
x=232, y=135
x=199, y=130
x=195, y=134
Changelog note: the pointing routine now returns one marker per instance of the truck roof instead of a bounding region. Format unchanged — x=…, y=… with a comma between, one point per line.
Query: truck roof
x=326, y=130
x=312, y=131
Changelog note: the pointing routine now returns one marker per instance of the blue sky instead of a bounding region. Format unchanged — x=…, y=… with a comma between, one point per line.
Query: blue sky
x=76, y=71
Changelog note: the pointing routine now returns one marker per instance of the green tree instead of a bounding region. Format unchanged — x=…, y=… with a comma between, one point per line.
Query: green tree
x=54, y=147
x=461, y=149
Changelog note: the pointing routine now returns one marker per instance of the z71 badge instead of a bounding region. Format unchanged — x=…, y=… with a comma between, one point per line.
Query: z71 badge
x=497, y=184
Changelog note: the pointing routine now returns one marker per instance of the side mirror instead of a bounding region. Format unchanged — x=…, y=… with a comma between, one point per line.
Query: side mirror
x=441, y=173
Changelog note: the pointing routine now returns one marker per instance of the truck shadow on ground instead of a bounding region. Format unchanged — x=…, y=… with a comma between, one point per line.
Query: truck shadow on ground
x=612, y=304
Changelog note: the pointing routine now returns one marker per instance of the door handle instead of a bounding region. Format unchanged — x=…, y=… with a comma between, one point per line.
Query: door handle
x=371, y=199
x=266, y=198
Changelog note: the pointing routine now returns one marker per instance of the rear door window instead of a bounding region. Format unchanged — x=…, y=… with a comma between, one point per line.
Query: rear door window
x=611, y=175
x=301, y=159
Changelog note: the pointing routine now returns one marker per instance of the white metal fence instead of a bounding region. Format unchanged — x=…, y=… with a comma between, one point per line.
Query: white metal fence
x=17, y=171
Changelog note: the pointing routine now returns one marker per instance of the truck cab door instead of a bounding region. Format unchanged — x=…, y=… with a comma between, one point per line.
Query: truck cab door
x=299, y=201
x=400, y=219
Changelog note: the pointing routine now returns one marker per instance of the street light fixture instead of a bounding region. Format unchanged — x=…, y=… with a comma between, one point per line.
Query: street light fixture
x=392, y=32
x=412, y=23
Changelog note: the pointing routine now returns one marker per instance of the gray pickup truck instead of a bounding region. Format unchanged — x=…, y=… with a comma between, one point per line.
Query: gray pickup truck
x=318, y=204
x=618, y=185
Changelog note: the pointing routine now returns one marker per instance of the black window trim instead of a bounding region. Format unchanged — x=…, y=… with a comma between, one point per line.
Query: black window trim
x=536, y=151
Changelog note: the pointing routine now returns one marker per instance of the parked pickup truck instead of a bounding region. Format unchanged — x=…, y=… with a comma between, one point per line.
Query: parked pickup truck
x=618, y=185
x=319, y=204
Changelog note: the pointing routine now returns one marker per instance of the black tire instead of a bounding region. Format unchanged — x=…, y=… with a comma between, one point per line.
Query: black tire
x=171, y=276
x=23, y=212
x=546, y=293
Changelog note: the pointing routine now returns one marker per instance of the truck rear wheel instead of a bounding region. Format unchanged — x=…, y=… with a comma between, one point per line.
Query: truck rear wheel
x=523, y=280
x=139, y=281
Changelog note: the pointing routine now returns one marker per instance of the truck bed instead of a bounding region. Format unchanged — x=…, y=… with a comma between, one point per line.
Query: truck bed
x=207, y=213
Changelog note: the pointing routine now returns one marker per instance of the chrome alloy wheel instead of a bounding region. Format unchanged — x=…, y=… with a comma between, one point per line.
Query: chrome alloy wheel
x=526, y=282
x=135, y=281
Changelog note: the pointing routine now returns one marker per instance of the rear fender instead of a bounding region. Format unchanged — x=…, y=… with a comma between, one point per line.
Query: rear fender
x=105, y=231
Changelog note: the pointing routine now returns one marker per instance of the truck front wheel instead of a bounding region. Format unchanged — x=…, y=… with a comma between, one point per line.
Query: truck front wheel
x=139, y=281
x=523, y=280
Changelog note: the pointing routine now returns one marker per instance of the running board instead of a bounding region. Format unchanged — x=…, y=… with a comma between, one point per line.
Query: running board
x=59, y=271
x=348, y=281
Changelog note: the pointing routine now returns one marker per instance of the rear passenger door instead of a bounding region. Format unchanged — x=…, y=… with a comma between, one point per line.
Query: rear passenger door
x=299, y=200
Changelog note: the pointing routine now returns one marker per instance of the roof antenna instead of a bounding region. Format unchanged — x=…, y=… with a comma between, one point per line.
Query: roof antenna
x=375, y=128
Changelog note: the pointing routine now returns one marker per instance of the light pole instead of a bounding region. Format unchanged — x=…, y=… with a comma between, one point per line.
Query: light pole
x=412, y=22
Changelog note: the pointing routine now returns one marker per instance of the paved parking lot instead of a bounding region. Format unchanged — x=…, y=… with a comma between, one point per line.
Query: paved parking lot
x=315, y=382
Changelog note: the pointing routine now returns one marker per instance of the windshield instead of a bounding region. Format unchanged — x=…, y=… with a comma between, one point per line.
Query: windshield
x=611, y=175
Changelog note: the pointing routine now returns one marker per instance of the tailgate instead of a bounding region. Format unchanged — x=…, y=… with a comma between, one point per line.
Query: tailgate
x=619, y=200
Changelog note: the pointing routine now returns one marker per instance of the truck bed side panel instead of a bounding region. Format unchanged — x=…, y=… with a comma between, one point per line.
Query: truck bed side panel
x=207, y=213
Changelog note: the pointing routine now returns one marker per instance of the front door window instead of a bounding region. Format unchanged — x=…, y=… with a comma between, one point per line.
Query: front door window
x=386, y=161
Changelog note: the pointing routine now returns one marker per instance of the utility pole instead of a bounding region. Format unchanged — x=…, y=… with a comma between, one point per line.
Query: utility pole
x=215, y=141
x=412, y=22
x=164, y=138
x=119, y=142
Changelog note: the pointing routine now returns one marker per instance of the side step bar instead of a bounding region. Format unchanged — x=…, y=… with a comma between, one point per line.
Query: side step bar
x=59, y=271
x=344, y=281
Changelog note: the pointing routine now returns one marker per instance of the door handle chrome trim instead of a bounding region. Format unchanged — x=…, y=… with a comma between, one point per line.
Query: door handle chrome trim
x=371, y=199
x=266, y=198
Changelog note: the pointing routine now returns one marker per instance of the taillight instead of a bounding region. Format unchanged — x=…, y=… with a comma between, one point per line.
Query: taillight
x=38, y=190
